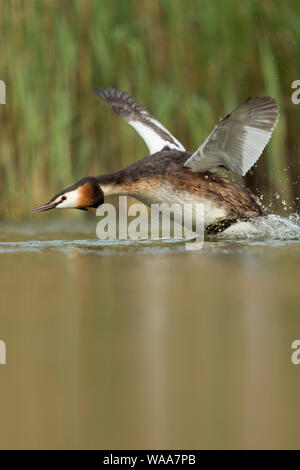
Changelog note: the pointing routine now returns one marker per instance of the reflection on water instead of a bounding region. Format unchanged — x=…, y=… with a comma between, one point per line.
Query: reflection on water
x=140, y=345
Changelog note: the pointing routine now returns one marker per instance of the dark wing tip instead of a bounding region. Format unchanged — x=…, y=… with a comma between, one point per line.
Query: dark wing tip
x=100, y=91
x=107, y=94
x=262, y=99
x=265, y=107
x=261, y=112
x=263, y=102
x=122, y=103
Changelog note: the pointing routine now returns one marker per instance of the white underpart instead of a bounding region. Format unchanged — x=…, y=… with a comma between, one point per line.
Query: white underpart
x=152, y=139
x=169, y=196
x=239, y=229
x=70, y=202
x=110, y=189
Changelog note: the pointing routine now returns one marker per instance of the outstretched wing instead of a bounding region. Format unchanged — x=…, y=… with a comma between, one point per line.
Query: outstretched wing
x=156, y=136
x=238, y=140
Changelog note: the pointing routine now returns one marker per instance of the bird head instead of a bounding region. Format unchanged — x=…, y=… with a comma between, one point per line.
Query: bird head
x=83, y=195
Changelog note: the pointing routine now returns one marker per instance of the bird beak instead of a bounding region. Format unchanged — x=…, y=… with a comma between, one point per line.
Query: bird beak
x=46, y=207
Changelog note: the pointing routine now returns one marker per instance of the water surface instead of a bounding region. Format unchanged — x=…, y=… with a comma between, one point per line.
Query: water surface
x=146, y=345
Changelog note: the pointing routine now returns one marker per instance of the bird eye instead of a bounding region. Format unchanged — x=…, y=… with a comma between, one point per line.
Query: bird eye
x=63, y=198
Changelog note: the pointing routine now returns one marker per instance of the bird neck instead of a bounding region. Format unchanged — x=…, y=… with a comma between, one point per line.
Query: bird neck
x=112, y=183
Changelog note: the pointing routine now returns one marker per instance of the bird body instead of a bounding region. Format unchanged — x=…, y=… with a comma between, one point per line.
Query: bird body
x=174, y=176
x=164, y=178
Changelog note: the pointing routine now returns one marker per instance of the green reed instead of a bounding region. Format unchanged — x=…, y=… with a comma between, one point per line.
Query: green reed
x=189, y=62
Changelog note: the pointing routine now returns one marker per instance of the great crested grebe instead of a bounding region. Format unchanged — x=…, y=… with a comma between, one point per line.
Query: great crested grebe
x=173, y=175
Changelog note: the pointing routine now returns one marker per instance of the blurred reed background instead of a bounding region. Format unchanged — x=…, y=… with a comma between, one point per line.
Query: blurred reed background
x=188, y=62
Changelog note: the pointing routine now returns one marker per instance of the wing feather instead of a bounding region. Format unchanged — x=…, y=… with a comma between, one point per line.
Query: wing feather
x=154, y=134
x=238, y=140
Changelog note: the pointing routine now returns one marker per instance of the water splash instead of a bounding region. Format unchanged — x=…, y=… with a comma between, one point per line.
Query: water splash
x=271, y=227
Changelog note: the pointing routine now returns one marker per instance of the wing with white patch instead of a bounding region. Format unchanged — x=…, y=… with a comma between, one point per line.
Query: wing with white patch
x=238, y=140
x=154, y=134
